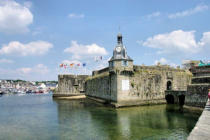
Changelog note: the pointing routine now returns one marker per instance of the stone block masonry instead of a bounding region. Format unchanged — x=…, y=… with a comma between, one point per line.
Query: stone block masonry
x=197, y=91
x=145, y=85
x=70, y=85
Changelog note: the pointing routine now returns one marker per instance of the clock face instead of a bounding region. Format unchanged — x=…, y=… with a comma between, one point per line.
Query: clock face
x=118, y=49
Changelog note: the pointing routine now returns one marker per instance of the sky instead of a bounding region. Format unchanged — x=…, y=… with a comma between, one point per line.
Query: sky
x=36, y=36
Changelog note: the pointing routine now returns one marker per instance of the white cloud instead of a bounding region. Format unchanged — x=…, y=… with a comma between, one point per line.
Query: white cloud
x=37, y=72
x=31, y=48
x=205, y=40
x=161, y=61
x=40, y=69
x=155, y=14
x=6, y=61
x=27, y=4
x=80, y=51
x=24, y=70
x=164, y=61
x=197, y=9
x=33, y=73
x=14, y=17
x=175, y=41
x=73, y=15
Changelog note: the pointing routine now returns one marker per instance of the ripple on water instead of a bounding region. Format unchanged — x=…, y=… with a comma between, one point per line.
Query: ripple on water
x=41, y=117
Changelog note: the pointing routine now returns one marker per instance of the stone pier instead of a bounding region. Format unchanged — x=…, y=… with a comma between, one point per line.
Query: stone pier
x=202, y=129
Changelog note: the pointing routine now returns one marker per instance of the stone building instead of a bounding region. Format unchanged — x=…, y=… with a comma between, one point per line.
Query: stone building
x=125, y=84
x=197, y=91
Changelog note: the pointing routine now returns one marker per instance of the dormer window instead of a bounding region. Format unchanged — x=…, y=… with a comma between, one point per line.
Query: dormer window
x=124, y=63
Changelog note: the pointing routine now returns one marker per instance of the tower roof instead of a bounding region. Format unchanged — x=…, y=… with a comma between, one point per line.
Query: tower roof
x=120, y=52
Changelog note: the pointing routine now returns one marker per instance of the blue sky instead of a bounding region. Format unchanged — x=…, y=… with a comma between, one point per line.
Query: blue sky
x=38, y=35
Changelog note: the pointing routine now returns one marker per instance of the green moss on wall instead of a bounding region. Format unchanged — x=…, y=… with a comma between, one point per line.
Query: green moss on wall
x=132, y=84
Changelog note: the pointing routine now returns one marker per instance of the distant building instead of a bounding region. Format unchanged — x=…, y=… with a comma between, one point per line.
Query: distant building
x=43, y=86
x=188, y=64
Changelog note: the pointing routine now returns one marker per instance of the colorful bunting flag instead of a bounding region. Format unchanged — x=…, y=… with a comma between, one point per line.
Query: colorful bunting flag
x=75, y=64
x=72, y=64
x=61, y=65
x=65, y=66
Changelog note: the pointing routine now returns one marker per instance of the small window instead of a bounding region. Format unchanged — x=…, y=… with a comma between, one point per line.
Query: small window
x=169, y=85
x=111, y=64
x=124, y=63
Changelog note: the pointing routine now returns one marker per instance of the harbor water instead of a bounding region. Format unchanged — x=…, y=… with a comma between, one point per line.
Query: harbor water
x=29, y=117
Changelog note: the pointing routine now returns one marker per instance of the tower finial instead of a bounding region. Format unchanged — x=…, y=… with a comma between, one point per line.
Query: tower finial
x=119, y=39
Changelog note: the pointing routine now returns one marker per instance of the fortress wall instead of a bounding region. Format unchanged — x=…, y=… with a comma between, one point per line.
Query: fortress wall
x=101, y=86
x=156, y=67
x=181, y=80
x=197, y=95
x=149, y=83
x=100, y=71
x=197, y=92
x=71, y=84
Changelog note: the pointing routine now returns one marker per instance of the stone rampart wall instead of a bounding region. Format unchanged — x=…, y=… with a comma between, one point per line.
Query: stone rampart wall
x=150, y=83
x=71, y=84
x=100, y=71
x=197, y=95
x=197, y=92
x=147, y=83
x=101, y=86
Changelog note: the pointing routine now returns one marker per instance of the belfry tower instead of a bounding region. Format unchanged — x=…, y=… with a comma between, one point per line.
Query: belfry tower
x=120, y=61
x=120, y=69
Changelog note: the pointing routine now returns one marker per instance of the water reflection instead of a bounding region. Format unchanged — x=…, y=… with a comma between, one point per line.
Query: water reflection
x=83, y=119
x=39, y=117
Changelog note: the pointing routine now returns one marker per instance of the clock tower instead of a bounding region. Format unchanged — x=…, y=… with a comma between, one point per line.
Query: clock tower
x=121, y=70
x=120, y=61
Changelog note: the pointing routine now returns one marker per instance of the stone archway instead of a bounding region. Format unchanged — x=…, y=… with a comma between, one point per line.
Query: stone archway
x=181, y=99
x=170, y=99
x=169, y=85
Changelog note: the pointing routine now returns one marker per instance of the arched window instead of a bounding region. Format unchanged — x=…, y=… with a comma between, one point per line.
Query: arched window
x=169, y=85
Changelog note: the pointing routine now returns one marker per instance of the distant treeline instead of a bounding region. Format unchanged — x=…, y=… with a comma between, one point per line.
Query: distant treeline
x=46, y=82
